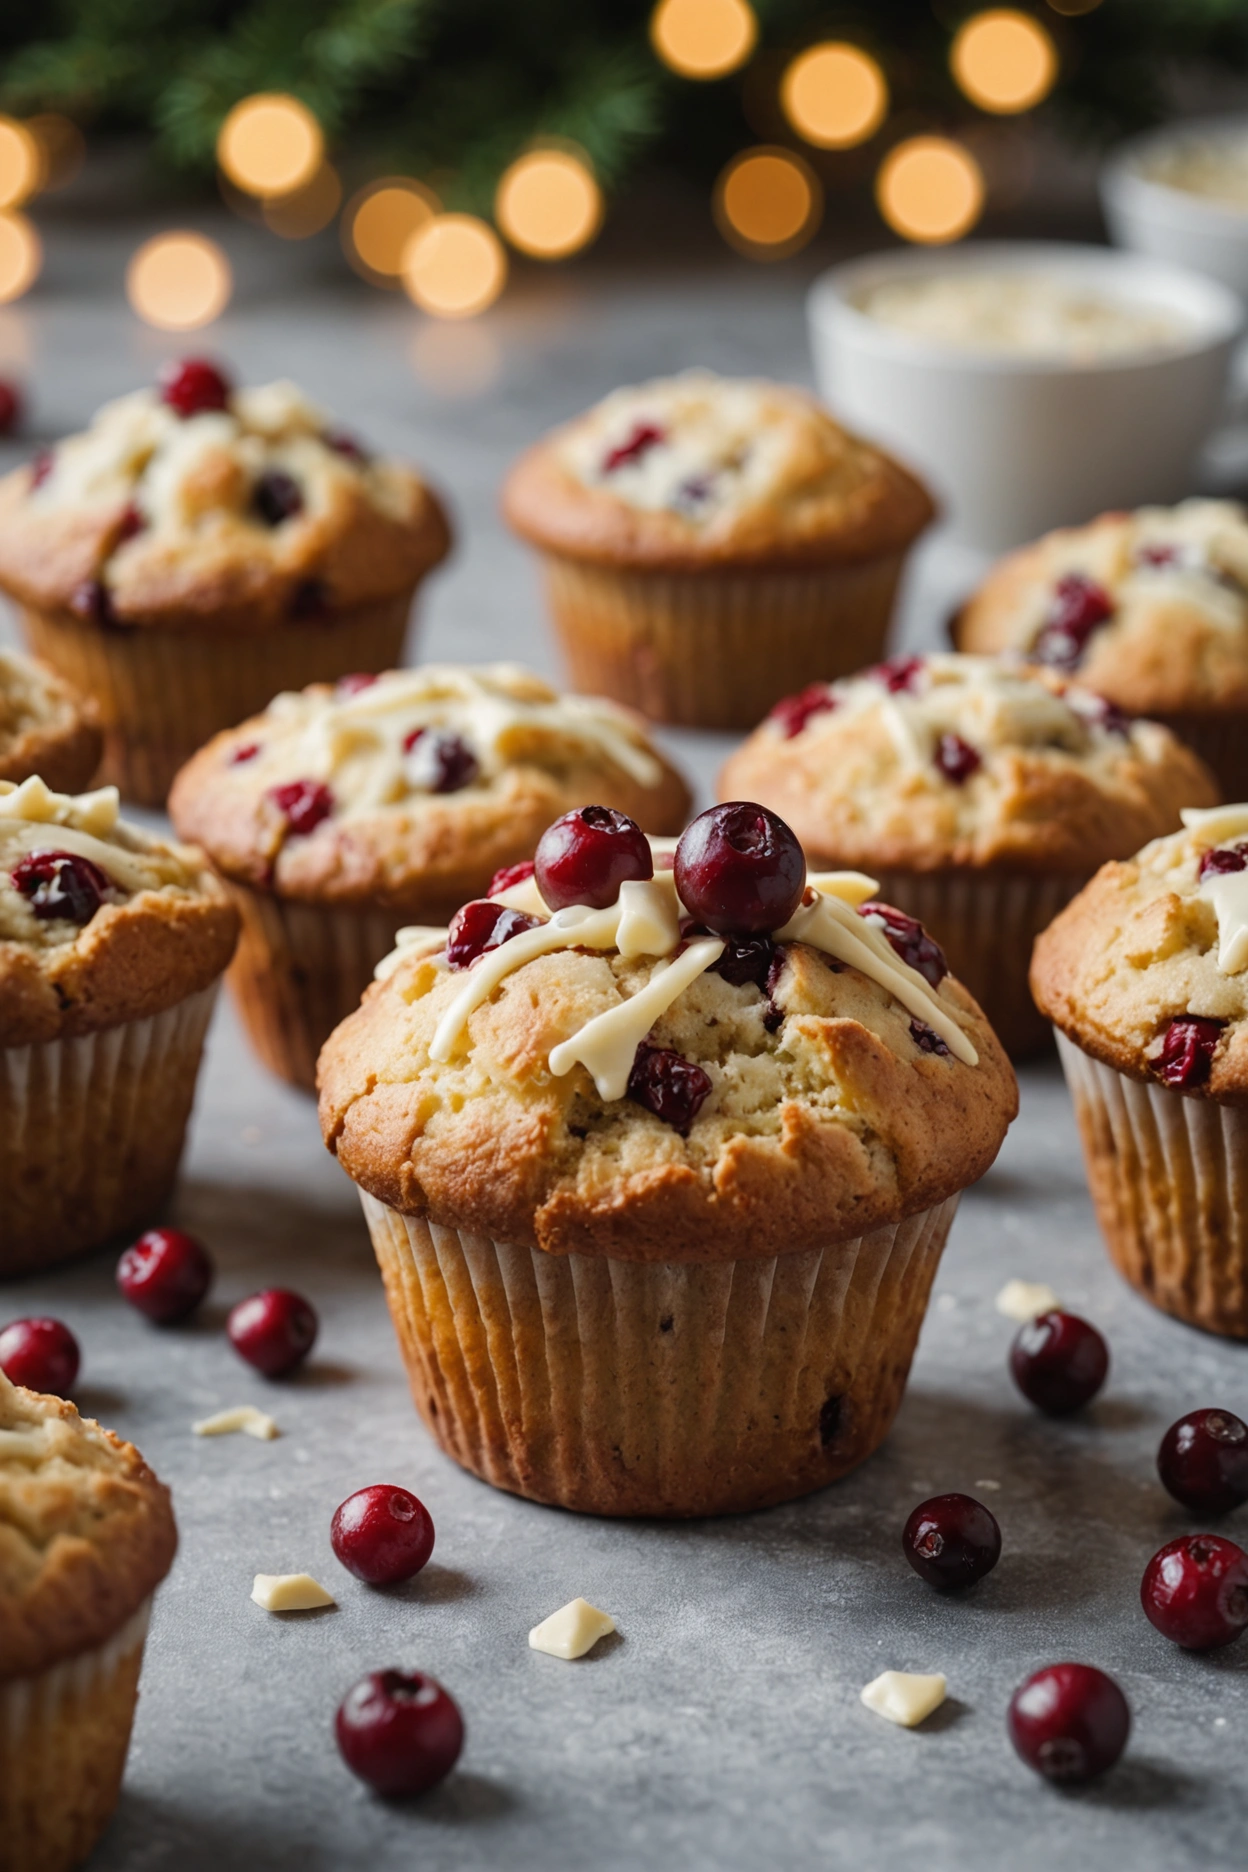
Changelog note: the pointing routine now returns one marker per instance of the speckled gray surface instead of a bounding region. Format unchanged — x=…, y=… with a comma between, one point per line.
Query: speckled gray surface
x=722, y=1727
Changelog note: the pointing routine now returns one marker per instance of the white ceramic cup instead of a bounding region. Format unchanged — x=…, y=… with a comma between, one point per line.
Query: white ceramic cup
x=1153, y=217
x=1015, y=445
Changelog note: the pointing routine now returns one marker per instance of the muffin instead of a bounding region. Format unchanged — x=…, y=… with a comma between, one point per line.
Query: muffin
x=86, y=1536
x=1143, y=976
x=658, y=1210
x=1150, y=609
x=982, y=796
x=200, y=548
x=44, y=727
x=341, y=813
x=111, y=946
x=710, y=544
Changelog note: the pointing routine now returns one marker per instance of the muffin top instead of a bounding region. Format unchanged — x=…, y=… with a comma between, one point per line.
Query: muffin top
x=99, y=923
x=927, y=762
x=200, y=502
x=1147, y=968
x=616, y=1077
x=1149, y=608
x=695, y=471
x=86, y=1532
x=45, y=728
x=411, y=789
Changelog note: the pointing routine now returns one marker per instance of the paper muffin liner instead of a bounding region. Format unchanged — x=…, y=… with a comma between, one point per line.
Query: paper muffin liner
x=716, y=649
x=298, y=970
x=986, y=922
x=63, y=1741
x=162, y=693
x=639, y=1388
x=1169, y=1181
x=91, y=1131
x=1220, y=737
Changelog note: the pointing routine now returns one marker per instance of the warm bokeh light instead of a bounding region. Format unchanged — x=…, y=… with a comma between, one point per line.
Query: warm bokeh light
x=380, y=221
x=1073, y=8
x=62, y=147
x=178, y=281
x=768, y=203
x=1004, y=61
x=308, y=209
x=703, y=38
x=834, y=96
x=21, y=163
x=270, y=144
x=548, y=204
x=455, y=266
x=930, y=189
x=21, y=256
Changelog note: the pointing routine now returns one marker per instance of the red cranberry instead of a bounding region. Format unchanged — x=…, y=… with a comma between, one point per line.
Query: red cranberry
x=1223, y=858
x=793, y=712
x=130, y=524
x=1080, y=606
x=740, y=868
x=899, y=675
x=927, y=1039
x=1187, y=1049
x=165, y=1274
x=399, y=1731
x=1069, y=1722
x=273, y=1330
x=1156, y=555
x=382, y=1534
x=191, y=385
x=956, y=759
x=667, y=1084
x=1203, y=1461
x=483, y=925
x=1059, y=1362
x=1195, y=1591
x=42, y=462
x=445, y=763
x=909, y=938
x=510, y=876
x=1108, y=715
x=40, y=1354
x=643, y=437
x=61, y=885
x=344, y=444
x=247, y=752
x=10, y=406
x=951, y=1541
x=354, y=683
x=303, y=804
x=91, y=602
x=585, y=856
x=276, y=496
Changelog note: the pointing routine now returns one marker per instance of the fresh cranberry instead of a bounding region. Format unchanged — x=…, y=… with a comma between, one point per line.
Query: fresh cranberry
x=1079, y=607
x=165, y=1274
x=793, y=712
x=643, y=437
x=1203, y=1461
x=382, y=1534
x=956, y=759
x=482, y=925
x=191, y=385
x=899, y=674
x=927, y=1039
x=442, y=760
x=739, y=868
x=746, y=959
x=40, y=1354
x=91, y=602
x=10, y=406
x=510, y=876
x=584, y=857
x=42, y=462
x=1187, y=1049
x=951, y=1541
x=910, y=940
x=344, y=444
x=1195, y=1591
x=1108, y=715
x=399, y=1731
x=1059, y=1362
x=274, y=1330
x=130, y=524
x=667, y=1084
x=1069, y=1722
x=276, y=496
x=303, y=804
x=1156, y=555
x=354, y=683
x=61, y=885
x=247, y=752
x=1220, y=858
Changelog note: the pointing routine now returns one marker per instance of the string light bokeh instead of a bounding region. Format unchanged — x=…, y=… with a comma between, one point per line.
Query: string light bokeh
x=703, y=39
x=768, y=203
x=21, y=255
x=930, y=189
x=549, y=204
x=305, y=211
x=270, y=144
x=1004, y=61
x=455, y=266
x=21, y=163
x=179, y=281
x=834, y=95
x=379, y=222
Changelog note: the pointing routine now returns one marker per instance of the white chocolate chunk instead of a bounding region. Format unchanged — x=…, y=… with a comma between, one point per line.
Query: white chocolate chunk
x=571, y=1631
x=607, y=1045
x=289, y=1592
x=1216, y=823
x=244, y=1417
x=1227, y=892
x=649, y=917
x=524, y=897
x=905, y=1697
x=1023, y=1300
x=852, y=887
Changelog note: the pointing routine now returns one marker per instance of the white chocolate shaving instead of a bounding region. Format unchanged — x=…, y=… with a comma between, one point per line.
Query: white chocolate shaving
x=289, y=1592
x=244, y=1417
x=852, y=887
x=607, y=1045
x=1227, y=891
x=1025, y=1300
x=905, y=1697
x=571, y=1631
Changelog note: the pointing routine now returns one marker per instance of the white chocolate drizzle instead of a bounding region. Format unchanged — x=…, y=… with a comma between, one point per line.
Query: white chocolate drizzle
x=607, y=1045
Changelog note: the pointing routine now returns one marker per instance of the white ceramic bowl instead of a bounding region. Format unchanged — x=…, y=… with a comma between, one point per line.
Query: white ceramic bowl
x=1174, y=224
x=1014, y=445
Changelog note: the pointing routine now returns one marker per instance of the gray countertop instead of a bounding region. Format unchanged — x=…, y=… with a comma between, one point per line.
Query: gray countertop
x=722, y=1727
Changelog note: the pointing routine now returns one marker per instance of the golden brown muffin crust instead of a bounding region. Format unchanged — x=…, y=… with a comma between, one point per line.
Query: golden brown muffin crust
x=45, y=727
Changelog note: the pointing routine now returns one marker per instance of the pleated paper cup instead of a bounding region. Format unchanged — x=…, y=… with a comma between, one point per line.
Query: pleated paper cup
x=299, y=970
x=716, y=649
x=63, y=1741
x=1169, y=1181
x=638, y=1388
x=986, y=922
x=162, y=693
x=91, y=1131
